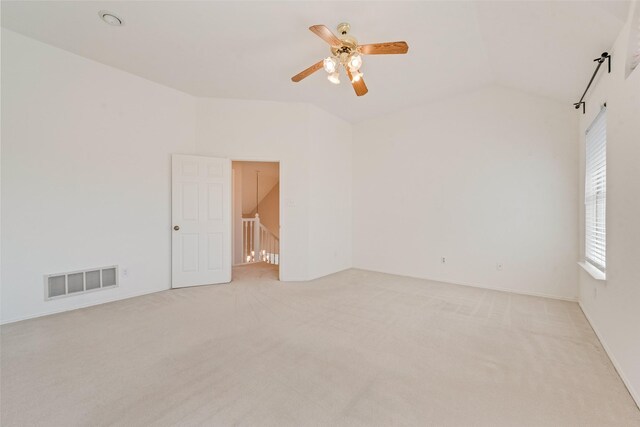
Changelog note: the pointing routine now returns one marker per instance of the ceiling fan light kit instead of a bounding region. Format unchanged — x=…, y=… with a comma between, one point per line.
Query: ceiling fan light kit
x=330, y=64
x=346, y=52
x=355, y=61
x=334, y=78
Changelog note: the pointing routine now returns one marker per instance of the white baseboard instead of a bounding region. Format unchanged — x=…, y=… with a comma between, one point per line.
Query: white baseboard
x=322, y=275
x=123, y=297
x=475, y=285
x=531, y=294
x=634, y=394
x=294, y=279
x=91, y=304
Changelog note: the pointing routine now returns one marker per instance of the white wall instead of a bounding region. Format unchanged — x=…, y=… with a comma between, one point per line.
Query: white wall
x=281, y=132
x=85, y=174
x=481, y=179
x=277, y=132
x=86, y=182
x=238, y=256
x=269, y=177
x=330, y=197
x=270, y=210
x=613, y=307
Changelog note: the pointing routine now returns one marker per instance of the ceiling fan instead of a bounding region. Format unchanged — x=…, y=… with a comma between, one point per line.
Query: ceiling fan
x=346, y=51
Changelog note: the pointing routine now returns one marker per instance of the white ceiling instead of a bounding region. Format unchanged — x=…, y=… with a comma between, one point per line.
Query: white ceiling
x=250, y=50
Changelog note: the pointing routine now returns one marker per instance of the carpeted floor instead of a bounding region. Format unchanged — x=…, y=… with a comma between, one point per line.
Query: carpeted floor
x=355, y=348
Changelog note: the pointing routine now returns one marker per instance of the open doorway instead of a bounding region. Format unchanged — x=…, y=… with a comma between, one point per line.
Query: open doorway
x=256, y=219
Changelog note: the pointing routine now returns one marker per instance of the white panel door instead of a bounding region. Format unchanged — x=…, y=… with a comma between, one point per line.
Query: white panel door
x=201, y=221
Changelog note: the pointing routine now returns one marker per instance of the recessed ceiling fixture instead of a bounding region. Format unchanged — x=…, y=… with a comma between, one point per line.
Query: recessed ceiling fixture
x=345, y=51
x=110, y=18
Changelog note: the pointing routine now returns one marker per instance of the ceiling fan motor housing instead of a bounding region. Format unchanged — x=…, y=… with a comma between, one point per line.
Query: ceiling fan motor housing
x=349, y=43
x=343, y=28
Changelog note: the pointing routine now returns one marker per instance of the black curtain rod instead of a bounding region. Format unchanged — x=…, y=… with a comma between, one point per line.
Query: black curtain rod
x=605, y=55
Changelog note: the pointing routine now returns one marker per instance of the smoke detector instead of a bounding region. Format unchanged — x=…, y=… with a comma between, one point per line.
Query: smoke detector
x=110, y=18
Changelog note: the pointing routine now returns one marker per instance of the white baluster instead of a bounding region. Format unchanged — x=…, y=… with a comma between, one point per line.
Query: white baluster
x=245, y=248
x=251, y=253
x=256, y=238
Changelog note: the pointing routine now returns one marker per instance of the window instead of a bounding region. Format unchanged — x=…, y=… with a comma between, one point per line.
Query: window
x=595, y=192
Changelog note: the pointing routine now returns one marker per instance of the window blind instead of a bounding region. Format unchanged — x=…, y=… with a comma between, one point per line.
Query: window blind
x=595, y=192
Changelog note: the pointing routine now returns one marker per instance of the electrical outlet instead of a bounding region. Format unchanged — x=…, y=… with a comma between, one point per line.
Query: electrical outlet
x=443, y=260
x=125, y=272
x=499, y=266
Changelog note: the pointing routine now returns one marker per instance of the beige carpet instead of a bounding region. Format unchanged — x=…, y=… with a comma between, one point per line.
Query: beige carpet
x=355, y=348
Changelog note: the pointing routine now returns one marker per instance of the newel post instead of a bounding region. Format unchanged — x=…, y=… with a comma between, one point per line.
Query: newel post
x=256, y=238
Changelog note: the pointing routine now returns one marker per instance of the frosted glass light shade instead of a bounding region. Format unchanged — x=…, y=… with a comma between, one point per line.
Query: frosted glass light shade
x=330, y=64
x=355, y=62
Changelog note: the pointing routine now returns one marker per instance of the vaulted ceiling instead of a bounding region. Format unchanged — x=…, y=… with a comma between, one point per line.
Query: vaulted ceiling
x=250, y=50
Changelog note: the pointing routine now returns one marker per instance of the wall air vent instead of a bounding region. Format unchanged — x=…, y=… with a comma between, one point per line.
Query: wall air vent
x=78, y=282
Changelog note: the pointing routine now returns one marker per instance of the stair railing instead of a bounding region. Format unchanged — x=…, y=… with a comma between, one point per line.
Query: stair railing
x=259, y=244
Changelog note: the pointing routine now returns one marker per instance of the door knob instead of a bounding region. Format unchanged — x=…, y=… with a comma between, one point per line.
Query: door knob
x=176, y=227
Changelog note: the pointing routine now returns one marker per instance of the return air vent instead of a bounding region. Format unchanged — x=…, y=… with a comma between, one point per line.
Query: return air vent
x=77, y=282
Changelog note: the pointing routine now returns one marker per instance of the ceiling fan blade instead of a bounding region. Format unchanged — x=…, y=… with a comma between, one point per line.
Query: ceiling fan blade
x=384, y=48
x=325, y=34
x=306, y=73
x=359, y=86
